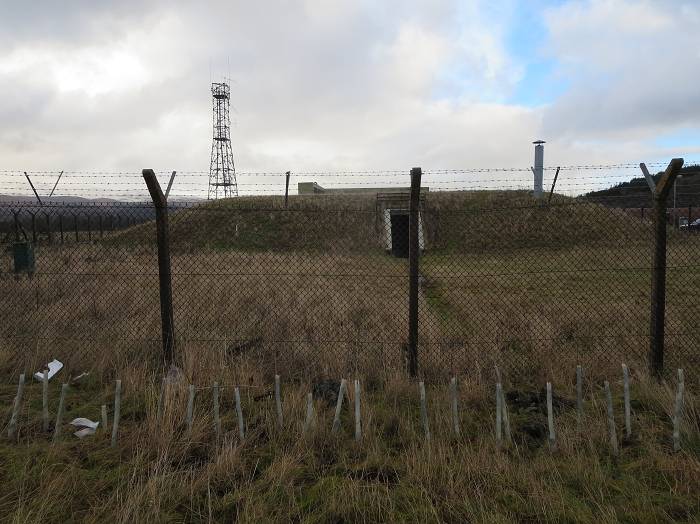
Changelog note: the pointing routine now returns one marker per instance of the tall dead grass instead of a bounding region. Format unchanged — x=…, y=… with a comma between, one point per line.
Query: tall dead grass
x=159, y=472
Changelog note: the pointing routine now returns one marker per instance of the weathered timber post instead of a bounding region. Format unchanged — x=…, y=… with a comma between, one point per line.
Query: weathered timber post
x=286, y=189
x=658, y=277
x=164, y=275
x=413, y=257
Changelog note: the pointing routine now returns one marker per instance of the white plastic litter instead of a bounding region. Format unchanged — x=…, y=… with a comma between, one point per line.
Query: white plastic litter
x=84, y=432
x=54, y=367
x=82, y=375
x=87, y=426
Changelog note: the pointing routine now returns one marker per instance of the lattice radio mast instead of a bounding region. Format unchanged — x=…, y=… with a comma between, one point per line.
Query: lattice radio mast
x=222, y=172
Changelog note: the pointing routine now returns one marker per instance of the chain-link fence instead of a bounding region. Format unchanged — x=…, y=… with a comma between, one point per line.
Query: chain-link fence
x=321, y=287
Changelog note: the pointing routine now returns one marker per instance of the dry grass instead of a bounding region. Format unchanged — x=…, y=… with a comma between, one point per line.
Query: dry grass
x=160, y=474
x=532, y=312
x=260, y=303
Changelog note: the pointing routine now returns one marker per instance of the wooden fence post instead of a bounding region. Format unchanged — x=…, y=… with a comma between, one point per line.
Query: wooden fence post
x=413, y=260
x=164, y=273
x=658, y=278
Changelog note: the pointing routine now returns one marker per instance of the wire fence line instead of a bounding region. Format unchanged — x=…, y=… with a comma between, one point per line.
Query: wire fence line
x=322, y=285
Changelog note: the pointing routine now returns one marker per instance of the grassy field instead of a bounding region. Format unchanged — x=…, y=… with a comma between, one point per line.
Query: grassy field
x=311, y=295
x=159, y=474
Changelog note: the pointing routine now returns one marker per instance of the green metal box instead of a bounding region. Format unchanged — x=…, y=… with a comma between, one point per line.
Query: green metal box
x=23, y=253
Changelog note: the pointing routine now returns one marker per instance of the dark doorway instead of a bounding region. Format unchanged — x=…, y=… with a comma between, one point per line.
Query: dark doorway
x=399, y=234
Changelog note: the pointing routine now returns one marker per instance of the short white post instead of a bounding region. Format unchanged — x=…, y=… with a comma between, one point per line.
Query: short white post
x=499, y=414
x=117, y=411
x=678, y=412
x=550, y=418
x=59, y=413
x=217, y=420
x=611, y=418
x=626, y=388
x=278, y=401
x=12, y=426
x=239, y=413
x=338, y=406
x=453, y=404
x=190, y=409
x=309, y=412
x=579, y=396
x=424, y=410
x=45, y=401
x=358, y=424
x=104, y=417
x=506, y=421
x=161, y=400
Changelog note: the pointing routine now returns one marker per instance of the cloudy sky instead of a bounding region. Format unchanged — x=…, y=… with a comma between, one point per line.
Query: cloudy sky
x=334, y=85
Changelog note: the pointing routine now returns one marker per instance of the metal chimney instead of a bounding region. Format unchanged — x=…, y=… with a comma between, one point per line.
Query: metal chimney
x=538, y=170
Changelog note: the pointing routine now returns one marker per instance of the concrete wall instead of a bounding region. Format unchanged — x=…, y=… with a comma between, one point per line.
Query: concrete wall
x=310, y=188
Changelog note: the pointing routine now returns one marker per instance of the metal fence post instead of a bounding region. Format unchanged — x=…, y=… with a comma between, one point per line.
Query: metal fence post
x=33, y=226
x=658, y=277
x=286, y=189
x=16, y=216
x=48, y=226
x=164, y=275
x=413, y=256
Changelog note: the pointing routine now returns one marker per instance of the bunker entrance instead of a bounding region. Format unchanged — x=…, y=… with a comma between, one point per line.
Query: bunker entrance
x=399, y=233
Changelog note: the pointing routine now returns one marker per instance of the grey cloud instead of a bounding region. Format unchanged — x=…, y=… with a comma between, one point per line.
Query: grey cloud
x=625, y=81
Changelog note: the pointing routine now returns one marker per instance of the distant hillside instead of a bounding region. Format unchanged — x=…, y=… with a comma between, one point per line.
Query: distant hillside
x=111, y=211
x=635, y=193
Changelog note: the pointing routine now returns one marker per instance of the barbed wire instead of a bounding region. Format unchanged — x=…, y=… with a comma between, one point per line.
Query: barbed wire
x=330, y=172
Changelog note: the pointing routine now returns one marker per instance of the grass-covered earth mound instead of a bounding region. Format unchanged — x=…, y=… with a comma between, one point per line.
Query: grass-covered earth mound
x=452, y=221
